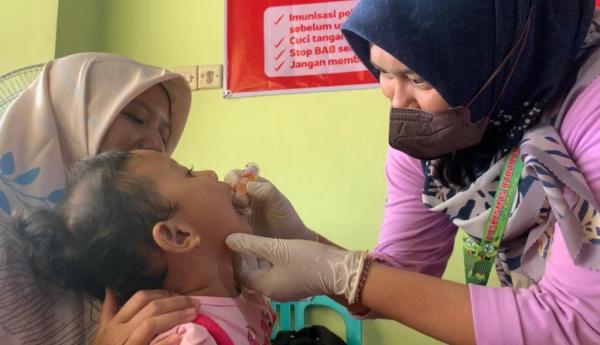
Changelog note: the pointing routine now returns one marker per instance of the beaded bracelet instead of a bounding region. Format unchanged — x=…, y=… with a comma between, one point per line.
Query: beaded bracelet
x=364, y=271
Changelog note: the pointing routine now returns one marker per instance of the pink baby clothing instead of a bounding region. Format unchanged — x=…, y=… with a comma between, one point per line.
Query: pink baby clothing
x=247, y=319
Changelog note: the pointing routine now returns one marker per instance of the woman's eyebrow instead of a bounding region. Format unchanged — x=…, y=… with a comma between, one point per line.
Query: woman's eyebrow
x=375, y=65
x=408, y=71
x=140, y=104
x=149, y=109
x=405, y=70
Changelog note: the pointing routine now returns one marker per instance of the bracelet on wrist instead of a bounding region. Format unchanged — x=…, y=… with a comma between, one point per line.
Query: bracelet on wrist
x=363, y=271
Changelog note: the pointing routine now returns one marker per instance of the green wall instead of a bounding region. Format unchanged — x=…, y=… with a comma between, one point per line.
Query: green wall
x=79, y=26
x=29, y=28
x=325, y=151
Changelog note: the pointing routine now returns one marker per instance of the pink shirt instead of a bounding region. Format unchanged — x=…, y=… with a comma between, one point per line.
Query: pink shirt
x=562, y=308
x=247, y=319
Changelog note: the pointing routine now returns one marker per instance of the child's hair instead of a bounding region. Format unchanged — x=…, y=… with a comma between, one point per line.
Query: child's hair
x=100, y=233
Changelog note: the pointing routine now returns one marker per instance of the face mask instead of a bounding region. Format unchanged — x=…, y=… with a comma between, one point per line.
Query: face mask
x=425, y=135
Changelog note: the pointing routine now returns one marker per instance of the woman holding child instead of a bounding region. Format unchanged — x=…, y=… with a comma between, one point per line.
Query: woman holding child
x=82, y=105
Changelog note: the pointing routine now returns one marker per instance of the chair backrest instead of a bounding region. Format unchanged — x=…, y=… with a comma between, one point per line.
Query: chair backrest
x=298, y=308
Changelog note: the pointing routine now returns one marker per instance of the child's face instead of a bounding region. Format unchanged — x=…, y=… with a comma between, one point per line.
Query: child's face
x=204, y=203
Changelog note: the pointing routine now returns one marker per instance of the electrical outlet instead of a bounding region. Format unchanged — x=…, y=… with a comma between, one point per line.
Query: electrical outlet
x=190, y=73
x=210, y=76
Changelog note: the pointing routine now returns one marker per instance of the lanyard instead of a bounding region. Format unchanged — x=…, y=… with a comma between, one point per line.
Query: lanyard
x=479, y=255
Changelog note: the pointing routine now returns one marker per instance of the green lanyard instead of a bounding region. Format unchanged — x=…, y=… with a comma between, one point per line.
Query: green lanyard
x=479, y=257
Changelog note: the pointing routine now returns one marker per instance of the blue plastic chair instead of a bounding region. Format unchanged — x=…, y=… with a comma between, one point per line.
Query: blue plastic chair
x=284, y=317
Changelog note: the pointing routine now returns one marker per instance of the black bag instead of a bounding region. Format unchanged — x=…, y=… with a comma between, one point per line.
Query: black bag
x=313, y=335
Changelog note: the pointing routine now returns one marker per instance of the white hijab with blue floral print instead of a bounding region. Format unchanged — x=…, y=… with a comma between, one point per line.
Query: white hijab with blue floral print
x=60, y=118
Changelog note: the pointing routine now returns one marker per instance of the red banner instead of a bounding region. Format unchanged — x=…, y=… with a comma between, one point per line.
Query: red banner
x=285, y=46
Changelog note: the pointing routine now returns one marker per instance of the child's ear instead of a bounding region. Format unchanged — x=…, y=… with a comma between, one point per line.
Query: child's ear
x=174, y=238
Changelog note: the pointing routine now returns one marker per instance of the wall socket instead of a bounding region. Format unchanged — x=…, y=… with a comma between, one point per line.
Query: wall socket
x=190, y=73
x=210, y=76
x=202, y=76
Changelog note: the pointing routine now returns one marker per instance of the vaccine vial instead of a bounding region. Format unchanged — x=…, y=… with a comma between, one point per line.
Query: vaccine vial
x=250, y=173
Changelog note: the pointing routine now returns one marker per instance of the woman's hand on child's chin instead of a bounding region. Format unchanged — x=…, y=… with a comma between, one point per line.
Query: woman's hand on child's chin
x=143, y=317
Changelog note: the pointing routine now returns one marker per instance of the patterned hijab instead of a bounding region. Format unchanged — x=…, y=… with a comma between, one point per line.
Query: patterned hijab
x=57, y=120
x=456, y=45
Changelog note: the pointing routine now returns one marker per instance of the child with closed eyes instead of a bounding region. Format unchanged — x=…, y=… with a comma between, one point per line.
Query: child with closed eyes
x=138, y=220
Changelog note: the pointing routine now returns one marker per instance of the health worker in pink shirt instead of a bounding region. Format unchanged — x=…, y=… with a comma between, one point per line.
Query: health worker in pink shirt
x=494, y=128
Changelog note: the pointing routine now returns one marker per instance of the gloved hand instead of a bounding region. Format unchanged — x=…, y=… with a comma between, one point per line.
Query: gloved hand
x=272, y=214
x=299, y=268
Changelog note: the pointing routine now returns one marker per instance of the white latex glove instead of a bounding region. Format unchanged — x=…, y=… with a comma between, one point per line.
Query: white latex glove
x=298, y=269
x=272, y=214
